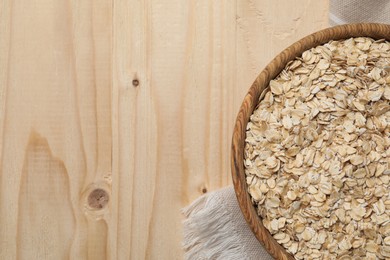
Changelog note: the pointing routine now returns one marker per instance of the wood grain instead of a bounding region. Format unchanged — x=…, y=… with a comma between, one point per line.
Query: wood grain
x=172, y=136
x=174, y=128
x=260, y=86
x=55, y=130
x=135, y=97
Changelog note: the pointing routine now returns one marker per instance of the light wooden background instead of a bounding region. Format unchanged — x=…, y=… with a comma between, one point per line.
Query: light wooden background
x=134, y=97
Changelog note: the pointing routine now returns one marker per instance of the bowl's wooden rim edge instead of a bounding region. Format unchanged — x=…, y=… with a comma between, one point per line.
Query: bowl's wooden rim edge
x=373, y=30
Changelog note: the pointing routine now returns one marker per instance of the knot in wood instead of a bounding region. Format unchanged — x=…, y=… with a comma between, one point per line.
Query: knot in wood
x=98, y=199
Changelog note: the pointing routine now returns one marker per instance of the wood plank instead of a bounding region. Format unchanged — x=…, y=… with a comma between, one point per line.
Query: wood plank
x=134, y=139
x=55, y=137
x=194, y=61
x=171, y=133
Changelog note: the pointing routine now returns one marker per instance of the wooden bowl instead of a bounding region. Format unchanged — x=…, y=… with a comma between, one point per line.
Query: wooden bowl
x=256, y=93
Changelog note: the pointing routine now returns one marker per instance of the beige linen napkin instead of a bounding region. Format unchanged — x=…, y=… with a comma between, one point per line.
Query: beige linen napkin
x=214, y=227
x=358, y=11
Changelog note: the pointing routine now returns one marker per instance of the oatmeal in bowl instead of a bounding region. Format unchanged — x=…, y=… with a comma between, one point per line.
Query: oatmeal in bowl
x=316, y=157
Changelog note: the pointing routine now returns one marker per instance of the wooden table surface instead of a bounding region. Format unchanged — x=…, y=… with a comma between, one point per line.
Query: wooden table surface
x=116, y=114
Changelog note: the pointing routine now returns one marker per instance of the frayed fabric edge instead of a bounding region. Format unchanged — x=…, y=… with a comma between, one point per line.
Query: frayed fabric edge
x=209, y=232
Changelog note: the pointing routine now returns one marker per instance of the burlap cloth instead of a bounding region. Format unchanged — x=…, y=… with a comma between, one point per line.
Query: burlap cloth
x=214, y=227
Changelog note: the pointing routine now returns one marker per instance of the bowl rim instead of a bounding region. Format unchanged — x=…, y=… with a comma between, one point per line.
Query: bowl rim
x=256, y=92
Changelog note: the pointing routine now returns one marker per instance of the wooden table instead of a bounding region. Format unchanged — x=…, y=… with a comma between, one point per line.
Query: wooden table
x=116, y=114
